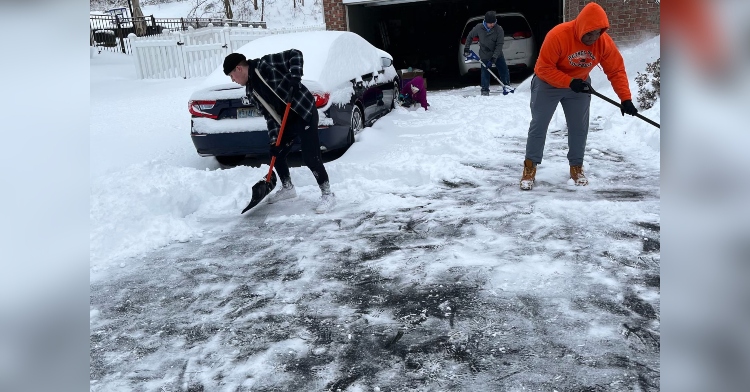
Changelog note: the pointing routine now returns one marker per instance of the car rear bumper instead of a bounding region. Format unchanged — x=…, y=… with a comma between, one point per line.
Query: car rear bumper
x=227, y=144
x=513, y=66
x=256, y=143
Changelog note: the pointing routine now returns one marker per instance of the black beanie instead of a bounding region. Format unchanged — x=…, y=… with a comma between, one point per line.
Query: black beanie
x=231, y=61
x=490, y=17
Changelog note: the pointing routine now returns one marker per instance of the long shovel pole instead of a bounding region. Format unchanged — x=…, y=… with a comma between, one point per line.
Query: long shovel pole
x=264, y=186
x=495, y=76
x=278, y=139
x=604, y=97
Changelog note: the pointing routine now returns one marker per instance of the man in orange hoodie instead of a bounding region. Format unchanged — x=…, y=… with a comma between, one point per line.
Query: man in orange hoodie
x=561, y=75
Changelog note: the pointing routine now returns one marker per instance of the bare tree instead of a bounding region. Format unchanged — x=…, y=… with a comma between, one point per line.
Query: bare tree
x=255, y=3
x=228, y=9
x=194, y=10
x=139, y=22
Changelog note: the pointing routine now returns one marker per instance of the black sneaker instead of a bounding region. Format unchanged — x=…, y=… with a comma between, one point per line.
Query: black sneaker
x=485, y=92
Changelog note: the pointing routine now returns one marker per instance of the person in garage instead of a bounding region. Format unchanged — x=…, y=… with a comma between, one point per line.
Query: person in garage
x=491, y=40
x=269, y=82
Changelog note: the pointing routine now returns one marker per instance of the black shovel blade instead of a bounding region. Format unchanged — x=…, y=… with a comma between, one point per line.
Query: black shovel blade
x=260, y=191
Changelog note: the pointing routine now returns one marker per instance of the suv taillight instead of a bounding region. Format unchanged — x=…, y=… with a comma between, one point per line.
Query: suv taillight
x=321, y=100
x=522, y=34
x=474, y=41
x=198, y=108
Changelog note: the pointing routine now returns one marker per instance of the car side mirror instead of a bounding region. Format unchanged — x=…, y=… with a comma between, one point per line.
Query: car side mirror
x=386, y=62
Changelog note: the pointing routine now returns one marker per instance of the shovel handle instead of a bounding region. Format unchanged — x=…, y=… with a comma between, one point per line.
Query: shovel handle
x=278, y=139
x=493, y=75
x=612, y=101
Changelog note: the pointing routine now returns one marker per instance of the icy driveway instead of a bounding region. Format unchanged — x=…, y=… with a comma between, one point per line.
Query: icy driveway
x=434, y=272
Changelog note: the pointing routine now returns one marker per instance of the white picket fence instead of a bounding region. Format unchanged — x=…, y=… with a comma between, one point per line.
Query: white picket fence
x=197, y=52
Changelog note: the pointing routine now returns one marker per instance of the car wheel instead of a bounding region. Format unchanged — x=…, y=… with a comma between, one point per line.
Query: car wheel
x=357, y=121
x=230, y=160
x=350, y=138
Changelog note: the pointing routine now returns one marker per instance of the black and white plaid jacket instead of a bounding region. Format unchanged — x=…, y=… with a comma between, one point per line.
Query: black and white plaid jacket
x=269, y=84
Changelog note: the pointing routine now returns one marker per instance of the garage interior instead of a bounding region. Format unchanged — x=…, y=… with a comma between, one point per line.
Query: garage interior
x=425, y=34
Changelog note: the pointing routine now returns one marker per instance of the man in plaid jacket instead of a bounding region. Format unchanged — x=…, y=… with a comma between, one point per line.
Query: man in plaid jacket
x=270, y=82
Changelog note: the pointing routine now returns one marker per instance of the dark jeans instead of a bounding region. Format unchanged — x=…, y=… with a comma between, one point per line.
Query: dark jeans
x=296, y=126
x=502, y=69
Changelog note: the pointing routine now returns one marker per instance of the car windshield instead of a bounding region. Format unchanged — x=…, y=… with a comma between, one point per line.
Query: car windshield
x=511, y=24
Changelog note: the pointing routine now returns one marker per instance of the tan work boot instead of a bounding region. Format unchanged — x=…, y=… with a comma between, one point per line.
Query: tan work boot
x=529, y=172
x=576, y=173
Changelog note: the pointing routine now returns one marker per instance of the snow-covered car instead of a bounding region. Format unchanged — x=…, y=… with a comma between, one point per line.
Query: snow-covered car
x=354, y=84
x=518, y=47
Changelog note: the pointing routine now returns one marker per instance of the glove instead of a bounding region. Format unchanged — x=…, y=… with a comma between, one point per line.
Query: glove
x=628, y=107
x=277, y=151
x=401, y=97
x=493, y=60
x=467, y=51
x=579, y=86
x=408, y=101
x=489, y=63
x=274, y=151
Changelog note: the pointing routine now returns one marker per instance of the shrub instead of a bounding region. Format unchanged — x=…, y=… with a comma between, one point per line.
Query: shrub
x=647, y=95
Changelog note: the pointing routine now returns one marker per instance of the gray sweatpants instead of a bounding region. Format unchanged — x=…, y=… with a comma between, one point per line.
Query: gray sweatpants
x=544, y=99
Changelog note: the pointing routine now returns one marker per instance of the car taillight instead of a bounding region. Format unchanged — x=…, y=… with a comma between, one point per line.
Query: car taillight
x=522, y=34
x=321, y=100
x=198, y=108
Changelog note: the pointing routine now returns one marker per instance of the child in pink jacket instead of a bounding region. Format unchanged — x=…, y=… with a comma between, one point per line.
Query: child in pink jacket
x=414, y=91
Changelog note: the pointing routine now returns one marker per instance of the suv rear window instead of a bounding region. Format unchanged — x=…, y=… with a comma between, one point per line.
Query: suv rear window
x=511, y=24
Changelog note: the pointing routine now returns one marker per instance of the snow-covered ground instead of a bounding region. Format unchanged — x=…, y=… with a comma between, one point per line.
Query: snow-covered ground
x=433, y=272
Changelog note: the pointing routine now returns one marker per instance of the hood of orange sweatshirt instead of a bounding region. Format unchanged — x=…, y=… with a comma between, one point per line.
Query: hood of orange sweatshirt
x=592, y=17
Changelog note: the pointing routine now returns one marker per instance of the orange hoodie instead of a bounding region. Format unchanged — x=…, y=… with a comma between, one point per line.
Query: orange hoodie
x=563, y=57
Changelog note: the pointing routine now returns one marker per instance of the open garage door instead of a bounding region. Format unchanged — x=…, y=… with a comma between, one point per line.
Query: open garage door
x=425, y=33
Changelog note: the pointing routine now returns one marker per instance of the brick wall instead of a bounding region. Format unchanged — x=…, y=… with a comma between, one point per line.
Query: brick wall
x=630, y=21
x=335, y=15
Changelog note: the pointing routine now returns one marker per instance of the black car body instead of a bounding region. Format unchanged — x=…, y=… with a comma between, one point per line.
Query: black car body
x=352, y=89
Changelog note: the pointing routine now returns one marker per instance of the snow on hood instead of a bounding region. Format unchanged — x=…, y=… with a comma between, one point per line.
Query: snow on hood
x=331, y=60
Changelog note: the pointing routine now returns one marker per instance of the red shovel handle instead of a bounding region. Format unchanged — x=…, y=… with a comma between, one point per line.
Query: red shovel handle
x=278, y=140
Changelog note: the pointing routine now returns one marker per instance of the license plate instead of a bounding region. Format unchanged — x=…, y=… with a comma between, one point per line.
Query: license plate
x=246, y=112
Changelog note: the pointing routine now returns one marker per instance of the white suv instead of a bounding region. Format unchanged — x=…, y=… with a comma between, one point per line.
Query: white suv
x=518, y=48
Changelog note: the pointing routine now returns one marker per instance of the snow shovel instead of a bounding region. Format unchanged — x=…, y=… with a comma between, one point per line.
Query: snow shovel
x=604, y=97
x=266, y=185
x=512, y=90
x=471, y=58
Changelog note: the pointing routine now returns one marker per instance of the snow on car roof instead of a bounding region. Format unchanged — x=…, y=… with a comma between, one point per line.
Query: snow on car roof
x=331, y=58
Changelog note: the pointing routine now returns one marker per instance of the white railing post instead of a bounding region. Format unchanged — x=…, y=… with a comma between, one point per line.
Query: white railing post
x=136, y=53
x=180, y=43
x=225, y=38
